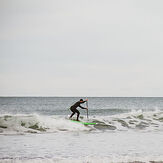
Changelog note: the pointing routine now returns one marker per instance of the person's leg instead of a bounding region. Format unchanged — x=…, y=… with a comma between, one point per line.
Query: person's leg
x=78, y=113
x=72, y=115
x=73, y=112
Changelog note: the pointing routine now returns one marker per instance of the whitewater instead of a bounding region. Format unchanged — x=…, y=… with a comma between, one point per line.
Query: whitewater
x=37, y=129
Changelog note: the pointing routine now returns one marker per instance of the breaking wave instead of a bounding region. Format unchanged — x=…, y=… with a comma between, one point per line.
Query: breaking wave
x=116, y=159
x=35, y=123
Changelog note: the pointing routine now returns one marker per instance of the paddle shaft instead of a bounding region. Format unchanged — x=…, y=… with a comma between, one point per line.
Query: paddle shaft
x=87, y=108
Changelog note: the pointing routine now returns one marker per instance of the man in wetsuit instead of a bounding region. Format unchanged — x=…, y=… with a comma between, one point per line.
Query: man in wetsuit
x=74, y=110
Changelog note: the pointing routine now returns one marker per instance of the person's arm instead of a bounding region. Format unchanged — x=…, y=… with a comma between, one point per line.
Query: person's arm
x=82, y=107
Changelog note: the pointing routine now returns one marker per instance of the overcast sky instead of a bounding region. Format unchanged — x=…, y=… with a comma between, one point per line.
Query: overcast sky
x=81, y=48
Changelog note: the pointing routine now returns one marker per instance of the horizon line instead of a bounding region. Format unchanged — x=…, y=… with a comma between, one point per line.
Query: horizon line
x=90, y=96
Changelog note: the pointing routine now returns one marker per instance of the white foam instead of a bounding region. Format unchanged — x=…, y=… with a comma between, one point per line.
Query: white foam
x=35, y=123
x=93, y=159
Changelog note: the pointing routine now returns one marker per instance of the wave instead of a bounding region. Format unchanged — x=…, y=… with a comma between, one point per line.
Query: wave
x=113, y=159
x=35, y=123
x=134, y=120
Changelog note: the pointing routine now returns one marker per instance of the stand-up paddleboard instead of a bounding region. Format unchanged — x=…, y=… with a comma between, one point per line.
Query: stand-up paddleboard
x=84, y=123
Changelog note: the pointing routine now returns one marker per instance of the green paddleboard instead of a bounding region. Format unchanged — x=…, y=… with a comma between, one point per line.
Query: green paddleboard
x=85, y=123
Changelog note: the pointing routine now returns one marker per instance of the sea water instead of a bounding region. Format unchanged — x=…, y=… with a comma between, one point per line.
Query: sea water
x=37, y=129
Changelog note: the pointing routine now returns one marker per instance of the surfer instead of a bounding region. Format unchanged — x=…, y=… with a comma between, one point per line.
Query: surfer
x=74, y=110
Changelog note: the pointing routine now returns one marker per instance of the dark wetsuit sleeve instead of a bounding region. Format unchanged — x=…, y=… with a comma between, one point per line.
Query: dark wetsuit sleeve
x=82, y=107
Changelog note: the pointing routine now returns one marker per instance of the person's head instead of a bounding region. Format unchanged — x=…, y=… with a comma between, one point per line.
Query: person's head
x=81, y=100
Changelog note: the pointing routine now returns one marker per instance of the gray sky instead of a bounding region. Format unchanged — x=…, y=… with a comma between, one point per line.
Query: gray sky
x=81, y=48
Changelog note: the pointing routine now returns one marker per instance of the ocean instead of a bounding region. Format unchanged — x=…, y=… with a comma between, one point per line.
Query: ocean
x=38, y=129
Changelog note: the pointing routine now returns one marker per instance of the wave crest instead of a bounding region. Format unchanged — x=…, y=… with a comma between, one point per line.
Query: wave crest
x=34, y=123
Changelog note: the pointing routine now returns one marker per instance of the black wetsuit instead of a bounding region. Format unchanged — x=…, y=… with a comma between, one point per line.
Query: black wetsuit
x=74, y=110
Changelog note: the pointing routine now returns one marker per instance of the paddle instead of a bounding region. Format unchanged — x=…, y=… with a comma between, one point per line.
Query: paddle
x=87, y=107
